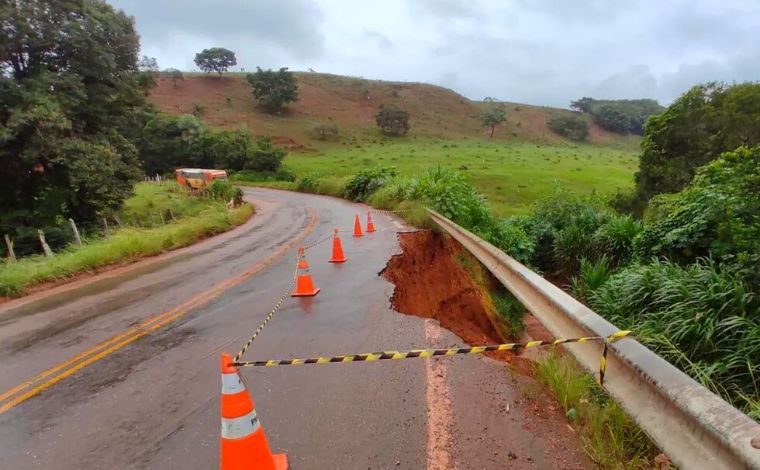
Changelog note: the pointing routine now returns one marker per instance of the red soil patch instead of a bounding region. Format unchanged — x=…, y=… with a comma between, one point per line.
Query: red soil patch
x=431, y=284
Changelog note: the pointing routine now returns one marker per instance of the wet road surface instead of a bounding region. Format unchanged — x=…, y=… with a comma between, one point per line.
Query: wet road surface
x=122, y=371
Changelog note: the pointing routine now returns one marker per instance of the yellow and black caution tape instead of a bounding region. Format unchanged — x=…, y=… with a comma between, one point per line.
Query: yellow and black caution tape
x=428, y=353
x=271, y=313
x=384, y=211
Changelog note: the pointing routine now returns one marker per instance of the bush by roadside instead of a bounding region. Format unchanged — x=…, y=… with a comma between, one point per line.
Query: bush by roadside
x=203, y=218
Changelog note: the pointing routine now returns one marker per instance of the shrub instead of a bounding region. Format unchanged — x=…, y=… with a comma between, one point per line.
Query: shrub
x=615, y=238
x=592, y=275
x=224, y=191
x=717, y=215
x=325, y=131
x=572, y=127
x=702, y=318
x=392, y=120
x=366, y=182
x=265, y=157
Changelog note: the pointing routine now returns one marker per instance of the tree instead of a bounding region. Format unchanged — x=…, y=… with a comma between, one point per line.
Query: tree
x=572, y=127
x=392, y=120
x=215, y=59
x=70, y=109
x=147, y=64
x=620, y=116
x=273, y=89
x=492, y=117
x=175, y=76
x=265, y=157
x=700, y=125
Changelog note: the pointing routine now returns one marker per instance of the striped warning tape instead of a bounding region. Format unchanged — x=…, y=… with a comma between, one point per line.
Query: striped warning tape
x=271, y=313
x=383, y=211
x=428, y=353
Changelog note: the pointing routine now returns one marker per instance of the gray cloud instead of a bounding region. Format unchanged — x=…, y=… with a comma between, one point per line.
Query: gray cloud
x=536, y=51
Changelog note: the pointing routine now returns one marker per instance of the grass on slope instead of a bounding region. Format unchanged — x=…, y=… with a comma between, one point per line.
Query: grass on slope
x=203, y=217
x=512, y=175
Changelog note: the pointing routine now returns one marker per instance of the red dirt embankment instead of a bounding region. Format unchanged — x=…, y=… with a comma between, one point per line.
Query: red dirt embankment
x=431, y=284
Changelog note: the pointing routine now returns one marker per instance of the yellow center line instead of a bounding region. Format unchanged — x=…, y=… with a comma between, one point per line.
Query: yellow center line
x=25, y=390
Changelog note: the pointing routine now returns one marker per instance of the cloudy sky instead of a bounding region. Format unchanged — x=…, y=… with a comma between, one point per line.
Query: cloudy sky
x=533, y=51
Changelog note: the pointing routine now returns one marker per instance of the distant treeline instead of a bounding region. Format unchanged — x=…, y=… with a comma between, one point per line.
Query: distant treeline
x=620, y=116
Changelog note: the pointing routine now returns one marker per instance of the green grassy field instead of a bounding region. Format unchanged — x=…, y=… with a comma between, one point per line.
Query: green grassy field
x=511, y=175
x=197, y=218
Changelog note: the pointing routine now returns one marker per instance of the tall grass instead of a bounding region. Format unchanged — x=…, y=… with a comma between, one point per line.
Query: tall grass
x=701, y=317
x=123, y=245
x=610, y=438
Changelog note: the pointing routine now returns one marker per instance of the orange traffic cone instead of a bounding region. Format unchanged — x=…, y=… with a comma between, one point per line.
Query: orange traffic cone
x=337, y=253
x=370, y=224
x=304, y=284
x=302, y=263
x=243, y=444
x=357, y=227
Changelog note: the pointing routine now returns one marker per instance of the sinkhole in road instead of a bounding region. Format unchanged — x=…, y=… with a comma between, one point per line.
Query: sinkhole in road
x=432, y=281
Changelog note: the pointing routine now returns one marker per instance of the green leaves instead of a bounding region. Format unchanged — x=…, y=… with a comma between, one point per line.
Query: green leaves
x=273, y=89
x=392, y=121
x=215, y=59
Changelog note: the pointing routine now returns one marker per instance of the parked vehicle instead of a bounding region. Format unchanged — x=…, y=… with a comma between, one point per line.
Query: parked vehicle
x=196, y=178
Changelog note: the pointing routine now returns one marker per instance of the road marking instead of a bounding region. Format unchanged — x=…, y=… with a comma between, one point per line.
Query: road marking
x=439, y=416
x=26, y=389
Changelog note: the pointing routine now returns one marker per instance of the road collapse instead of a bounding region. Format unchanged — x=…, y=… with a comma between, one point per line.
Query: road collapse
x=243, y=444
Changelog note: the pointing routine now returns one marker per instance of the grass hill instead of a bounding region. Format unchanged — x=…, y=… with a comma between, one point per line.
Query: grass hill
x=351, y=103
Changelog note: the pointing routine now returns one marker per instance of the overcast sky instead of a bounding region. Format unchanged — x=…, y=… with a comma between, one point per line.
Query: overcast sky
x=532, y=51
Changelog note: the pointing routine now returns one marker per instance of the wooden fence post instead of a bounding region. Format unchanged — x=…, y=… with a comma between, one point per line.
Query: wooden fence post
x=171, y=214
x=9, y=244
x=161, y=213
x=77, y=238
x=118, y=221
x=152, y=220
x=45, y=248
x=105, y=225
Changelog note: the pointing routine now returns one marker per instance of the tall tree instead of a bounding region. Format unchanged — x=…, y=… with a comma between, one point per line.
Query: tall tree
x=273, y=89
x=215, y=59
x=70, y=104
x=700, y=125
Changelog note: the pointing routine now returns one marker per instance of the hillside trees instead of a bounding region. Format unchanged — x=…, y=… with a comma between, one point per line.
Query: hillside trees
x=620, y=116
x=175, y=76
x=169, y=142
x=572, y=127
x=492, y=117
x=70, y=107
x=392, y=121
x=273, y=89
x=694, y=130
x=215, y=59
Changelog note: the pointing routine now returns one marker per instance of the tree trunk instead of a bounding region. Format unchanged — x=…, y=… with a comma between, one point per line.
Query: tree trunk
x=9, y=244
x=493, y=128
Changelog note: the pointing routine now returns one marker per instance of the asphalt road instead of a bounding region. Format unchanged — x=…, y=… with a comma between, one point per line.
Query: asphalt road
x=121, y=371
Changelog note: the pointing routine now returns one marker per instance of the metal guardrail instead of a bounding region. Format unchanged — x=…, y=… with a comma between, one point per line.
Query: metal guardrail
x=693, y=426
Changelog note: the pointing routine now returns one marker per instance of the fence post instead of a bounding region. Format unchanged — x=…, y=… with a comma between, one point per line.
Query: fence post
x=161, y=213
x=9, y=244
x=152, y=220
x=118, y=221
x=105, y=225
x=171, y=214
x=77, y=238
x=45, y=248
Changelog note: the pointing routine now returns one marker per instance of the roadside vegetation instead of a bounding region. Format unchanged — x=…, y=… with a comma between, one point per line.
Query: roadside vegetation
x=188, y=218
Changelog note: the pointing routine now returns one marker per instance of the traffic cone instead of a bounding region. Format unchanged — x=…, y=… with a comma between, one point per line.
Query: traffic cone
x=357, y=227
x=302, y=263
x=243, y=444
x=370, y=224
x=304, y=284
x=337, y=252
